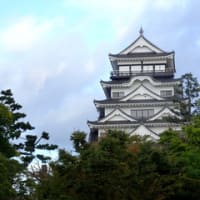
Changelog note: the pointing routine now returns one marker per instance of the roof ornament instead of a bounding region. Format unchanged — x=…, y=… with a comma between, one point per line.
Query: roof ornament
x=141, y=31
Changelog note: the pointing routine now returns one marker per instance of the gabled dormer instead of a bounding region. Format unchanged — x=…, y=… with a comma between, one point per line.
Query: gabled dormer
x=141, y=45
x=142, y=57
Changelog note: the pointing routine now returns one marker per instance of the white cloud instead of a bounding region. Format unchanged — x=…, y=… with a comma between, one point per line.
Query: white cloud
x=111, y=6
x=38, y=75
x=90, y=66
x=119, y=14
x=28, y=30
x=71, y=109
x=171, y=4
x=198, y=42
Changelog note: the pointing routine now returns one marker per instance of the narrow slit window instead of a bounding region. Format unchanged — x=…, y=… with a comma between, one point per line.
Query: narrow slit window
x=116, y=95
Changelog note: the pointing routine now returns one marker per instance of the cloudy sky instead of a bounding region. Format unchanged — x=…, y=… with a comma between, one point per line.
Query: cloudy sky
x=53, y=53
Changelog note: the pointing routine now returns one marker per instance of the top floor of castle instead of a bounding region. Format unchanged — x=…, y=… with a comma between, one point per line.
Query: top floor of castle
x=142, y=58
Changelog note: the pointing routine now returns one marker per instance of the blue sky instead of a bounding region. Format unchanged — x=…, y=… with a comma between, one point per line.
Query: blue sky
x=53, y=53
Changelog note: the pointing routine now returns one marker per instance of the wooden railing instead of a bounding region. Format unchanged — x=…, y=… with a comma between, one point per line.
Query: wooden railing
x=119, y=74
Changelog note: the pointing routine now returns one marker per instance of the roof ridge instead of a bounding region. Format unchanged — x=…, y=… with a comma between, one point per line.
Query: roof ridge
x=141, y=36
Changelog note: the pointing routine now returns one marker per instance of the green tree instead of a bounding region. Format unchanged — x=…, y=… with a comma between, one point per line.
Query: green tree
x=13, y=129
x=191, y=91
x=8, y=170
x=123, y=167
x=197, y=107
x=183, y=154
x=15, y=142
x=100, y=171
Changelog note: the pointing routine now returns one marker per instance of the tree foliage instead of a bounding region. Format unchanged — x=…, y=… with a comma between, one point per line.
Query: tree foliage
x=15, y=145
x=191, y=92
x=123, y=167
x=13, y=129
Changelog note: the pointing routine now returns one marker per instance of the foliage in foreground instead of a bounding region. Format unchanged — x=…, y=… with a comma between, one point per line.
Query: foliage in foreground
x=117, y=167
x=17, y=149
x=122, y=167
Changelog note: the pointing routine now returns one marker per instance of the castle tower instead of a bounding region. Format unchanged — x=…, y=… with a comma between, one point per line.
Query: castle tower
x=140, y=93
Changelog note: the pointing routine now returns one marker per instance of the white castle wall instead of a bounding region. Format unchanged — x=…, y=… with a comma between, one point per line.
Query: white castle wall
x=146, y=83
x=128, y=110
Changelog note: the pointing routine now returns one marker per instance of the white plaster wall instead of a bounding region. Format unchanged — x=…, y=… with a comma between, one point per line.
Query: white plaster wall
x=108, y=110
x=159, y=130
x=146, y=83
x=126, y=90
x=144, y=93
x=141, y=49
x=141, y=43
x=142, y=130
x=128, y=112
x=116, y=118
x=128, y=109
x=141, y=96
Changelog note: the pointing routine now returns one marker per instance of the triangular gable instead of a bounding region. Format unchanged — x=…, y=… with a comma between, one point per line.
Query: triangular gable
x=141, y=49
x=141, y=79
x=143, y=130
x=141, y=97
x=117, y=115
x=165, y=112
x=141, y=92
x=141, y=45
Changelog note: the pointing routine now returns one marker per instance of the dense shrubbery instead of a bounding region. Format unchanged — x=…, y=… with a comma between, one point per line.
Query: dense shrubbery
x=122, y=167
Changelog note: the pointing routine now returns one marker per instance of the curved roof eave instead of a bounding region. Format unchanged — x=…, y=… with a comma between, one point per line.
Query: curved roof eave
x=137, y=39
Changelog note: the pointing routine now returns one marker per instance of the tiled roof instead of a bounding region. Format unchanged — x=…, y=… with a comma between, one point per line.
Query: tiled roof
x=135, y=55
x=120, y=81
x=130, y=122
x=117, y=101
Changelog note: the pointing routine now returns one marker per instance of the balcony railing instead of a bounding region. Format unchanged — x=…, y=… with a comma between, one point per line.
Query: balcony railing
x=124, y=74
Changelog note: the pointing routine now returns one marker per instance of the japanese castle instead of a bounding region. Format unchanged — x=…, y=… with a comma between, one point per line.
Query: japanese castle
x=140, y=93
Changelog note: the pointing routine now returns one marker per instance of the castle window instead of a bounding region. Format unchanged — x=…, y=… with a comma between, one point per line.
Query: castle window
x=117, y=94
x=136, y=68
x=148, y=68
x=160, y=68
x=166, y=93
x=142, y=114
x=124, y=68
